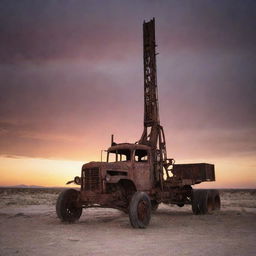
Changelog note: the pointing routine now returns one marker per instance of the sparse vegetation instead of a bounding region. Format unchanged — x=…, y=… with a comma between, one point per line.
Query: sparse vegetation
x=28, y=196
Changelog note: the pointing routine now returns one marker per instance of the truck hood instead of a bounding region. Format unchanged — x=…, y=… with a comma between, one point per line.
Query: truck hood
x=113, y=166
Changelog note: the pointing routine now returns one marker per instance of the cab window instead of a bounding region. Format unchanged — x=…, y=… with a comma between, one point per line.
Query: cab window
x=141, y=155
x=122, y=155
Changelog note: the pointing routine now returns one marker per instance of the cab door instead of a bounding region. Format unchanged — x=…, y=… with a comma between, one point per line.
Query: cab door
x=142, y=171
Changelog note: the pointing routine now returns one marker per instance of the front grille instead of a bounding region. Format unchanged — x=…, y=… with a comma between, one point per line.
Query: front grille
x=91, y=179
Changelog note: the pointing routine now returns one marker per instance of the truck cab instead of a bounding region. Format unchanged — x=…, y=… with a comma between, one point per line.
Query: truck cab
x=138, y=160
x=128, y=168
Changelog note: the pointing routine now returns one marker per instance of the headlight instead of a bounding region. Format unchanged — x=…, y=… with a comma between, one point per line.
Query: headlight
x=77, y=180
x=108, y=178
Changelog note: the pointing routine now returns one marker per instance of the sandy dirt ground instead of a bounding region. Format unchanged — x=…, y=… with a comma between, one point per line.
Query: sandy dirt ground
x=29, y=226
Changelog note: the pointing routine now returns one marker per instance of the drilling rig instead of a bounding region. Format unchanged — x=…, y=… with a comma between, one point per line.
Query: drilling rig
x=137, y=177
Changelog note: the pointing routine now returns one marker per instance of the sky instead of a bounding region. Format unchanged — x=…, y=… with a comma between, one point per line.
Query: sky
x=71, y=74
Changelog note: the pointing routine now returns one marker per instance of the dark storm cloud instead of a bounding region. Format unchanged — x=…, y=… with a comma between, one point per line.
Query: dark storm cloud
x=61, y=29
x=59, y=92
x=210, y=25
x=57, y=29
x=219, y=90
x=68, y=68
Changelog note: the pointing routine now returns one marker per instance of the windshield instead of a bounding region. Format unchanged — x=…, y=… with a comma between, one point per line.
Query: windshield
x=121, y=155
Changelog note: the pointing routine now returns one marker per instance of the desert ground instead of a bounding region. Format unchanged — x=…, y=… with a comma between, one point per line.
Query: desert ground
x=29, y=226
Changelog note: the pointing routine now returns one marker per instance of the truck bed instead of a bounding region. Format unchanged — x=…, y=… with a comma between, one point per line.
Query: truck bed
x=190, y=174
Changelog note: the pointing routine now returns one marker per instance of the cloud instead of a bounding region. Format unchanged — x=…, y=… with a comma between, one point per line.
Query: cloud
x=50, y=29
x=210, y=26
x=209, y=91
x=71, y=74
x=11, y=156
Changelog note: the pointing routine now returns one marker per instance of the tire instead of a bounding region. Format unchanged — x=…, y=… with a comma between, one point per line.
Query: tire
x=140, y=210
x=216, y=199
x=65, y=207
x=202, y=202
x=154, y=205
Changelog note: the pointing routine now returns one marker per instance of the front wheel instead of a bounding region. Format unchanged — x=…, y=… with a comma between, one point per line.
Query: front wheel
x=140, y=210
x=66, y=208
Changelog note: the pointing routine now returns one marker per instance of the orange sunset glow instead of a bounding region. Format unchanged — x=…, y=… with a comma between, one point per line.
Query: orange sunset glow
x=71, y=74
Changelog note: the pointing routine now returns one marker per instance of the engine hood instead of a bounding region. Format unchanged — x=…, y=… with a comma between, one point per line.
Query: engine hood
x=113, y=166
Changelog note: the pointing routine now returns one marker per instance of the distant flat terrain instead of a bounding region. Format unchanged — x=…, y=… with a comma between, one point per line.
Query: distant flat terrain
x=28, y=226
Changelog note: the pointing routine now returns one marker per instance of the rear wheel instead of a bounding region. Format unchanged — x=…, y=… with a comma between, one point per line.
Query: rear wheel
x=140, y=210
x=216, y=199
x=66, y=208
x=202, y=202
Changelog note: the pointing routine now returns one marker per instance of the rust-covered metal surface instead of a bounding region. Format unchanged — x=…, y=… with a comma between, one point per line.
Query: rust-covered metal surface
x=142, y=166
x=195, y=172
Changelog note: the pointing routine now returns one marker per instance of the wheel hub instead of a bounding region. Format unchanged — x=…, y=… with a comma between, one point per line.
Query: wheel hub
x=142, y=210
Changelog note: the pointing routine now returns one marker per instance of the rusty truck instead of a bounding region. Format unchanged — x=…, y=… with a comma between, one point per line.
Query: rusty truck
x=137, y=177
